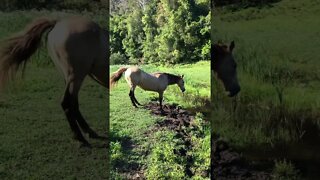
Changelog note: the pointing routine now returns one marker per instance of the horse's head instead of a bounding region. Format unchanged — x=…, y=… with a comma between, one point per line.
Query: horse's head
x=225, y=67
x=181, y=84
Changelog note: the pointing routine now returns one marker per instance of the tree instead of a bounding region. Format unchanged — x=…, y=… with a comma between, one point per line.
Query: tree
x=163, y=31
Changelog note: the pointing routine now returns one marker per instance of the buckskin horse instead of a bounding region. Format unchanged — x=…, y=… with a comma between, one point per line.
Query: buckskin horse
x=157, y=82
x=77, y=46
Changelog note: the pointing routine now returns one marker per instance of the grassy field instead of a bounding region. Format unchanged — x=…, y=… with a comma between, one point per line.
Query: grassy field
x=136, y=145
x=276, y=116
x=36, y=141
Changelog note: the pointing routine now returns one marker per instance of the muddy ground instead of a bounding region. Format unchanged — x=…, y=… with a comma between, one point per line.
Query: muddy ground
x=226, y=163
x=179, y=121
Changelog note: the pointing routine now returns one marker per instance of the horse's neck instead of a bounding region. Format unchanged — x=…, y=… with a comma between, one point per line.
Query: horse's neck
x=171, y=83
x=172, y=79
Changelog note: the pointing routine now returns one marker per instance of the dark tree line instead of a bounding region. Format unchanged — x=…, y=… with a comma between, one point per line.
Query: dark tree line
x=160, y=31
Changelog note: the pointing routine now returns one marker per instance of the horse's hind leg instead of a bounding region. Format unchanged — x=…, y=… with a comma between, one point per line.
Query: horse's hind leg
x=79, y=118
x=131, y=95
x=134, y=97
x=83, y=124
x=68, y=104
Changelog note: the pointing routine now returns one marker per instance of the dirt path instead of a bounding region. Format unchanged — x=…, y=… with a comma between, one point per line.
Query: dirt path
x=179, y=121
x=175, y=119
x=227, y=164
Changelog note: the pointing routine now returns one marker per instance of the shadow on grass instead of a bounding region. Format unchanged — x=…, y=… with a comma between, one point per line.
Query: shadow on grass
x=122, y=155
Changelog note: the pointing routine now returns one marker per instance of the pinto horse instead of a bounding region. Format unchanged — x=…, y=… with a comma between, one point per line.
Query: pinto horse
x=157, y=82
x=77, y=46
x=224, y=65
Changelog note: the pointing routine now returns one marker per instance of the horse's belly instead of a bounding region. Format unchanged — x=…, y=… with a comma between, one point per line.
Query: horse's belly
x=148, y=87
x=149, y=84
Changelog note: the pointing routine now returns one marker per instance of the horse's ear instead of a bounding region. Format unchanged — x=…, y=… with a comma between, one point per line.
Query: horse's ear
x=231, y=47
x=182, y=76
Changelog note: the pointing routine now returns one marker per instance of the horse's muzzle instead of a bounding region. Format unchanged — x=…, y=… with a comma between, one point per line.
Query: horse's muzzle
x=234, y=92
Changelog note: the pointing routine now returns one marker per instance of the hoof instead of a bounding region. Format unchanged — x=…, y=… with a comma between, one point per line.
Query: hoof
x=162, y=111
x=96, y=136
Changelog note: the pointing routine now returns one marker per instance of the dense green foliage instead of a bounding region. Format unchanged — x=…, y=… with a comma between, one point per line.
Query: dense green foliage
x=162, y=31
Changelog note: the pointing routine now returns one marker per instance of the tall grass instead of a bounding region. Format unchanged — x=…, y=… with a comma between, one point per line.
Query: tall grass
x=278, y=68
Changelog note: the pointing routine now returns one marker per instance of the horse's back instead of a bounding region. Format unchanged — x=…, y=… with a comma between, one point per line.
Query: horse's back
x=150, y=82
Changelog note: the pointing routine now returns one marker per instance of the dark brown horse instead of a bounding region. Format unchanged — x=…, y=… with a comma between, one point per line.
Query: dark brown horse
x=77, y=46
x=224, y=65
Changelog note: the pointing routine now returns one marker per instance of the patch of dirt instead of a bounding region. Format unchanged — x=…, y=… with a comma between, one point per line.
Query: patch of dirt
x=180, y=121
x=228, y=164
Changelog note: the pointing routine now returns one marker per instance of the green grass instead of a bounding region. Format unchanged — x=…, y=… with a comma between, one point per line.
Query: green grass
x=277, y=51
x=36, y=141
x=153, y=150
x=35, y=136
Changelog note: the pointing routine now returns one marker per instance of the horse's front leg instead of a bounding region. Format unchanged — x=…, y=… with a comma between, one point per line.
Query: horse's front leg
x=160, y=100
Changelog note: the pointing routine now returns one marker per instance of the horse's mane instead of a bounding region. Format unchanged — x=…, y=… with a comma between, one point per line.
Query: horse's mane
x=218, y=50
x=172, y=78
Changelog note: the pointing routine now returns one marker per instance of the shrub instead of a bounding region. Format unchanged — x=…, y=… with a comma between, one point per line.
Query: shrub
x=118, y=58
x=284, y=170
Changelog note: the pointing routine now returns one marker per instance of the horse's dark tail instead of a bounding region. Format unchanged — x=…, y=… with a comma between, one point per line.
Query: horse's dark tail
x=16, y=50
x=116, y=76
